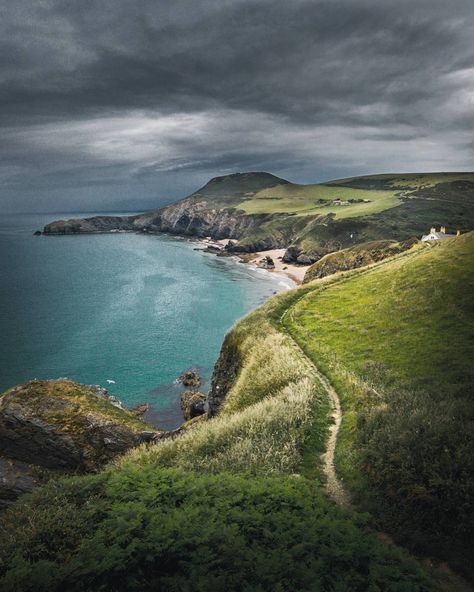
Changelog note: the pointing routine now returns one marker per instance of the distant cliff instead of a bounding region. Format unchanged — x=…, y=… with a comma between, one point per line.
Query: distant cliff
x=261, y=211
x=210, y=211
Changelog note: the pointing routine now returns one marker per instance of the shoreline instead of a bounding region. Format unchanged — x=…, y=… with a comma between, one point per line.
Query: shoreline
x=293, y=272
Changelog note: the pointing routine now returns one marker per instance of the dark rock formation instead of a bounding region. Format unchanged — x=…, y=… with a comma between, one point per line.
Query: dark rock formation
x=37, y=233
x=266, y=263
x=304, y=259
x=49, y=427
x=190, y=378
x=291, y=254
x=193, y=403
x=225, y=373
x=91, y=225
x=17, y=477
x=140, y=409
x=296, y=255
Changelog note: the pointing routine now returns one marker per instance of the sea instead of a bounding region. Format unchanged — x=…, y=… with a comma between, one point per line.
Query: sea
x=129, y=312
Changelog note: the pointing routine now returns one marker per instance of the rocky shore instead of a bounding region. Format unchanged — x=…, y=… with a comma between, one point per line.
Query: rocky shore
x=54, y=427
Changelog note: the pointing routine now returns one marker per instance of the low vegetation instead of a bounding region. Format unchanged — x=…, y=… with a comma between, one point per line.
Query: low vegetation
x=357, y=256
x=164, y=529
x=275, y=405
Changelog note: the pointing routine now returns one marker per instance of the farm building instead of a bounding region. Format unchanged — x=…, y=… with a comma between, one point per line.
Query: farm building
x=434, y=235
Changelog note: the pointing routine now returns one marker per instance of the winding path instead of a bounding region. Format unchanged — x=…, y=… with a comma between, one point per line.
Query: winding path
x=334, y=486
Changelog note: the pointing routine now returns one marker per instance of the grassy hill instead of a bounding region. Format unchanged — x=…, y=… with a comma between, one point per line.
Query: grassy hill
x=396, y=340
x=338, y=214
x=262, y=211
x=380, y=192
x=238, y=502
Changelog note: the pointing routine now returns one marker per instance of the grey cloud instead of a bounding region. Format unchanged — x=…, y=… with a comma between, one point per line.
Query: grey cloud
x=384, y=72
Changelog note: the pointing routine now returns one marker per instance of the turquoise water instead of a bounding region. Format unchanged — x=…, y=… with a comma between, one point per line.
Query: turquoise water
x=131, y=308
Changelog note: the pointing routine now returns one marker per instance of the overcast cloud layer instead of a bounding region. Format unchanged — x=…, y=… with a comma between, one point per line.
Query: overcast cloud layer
x=127, y=104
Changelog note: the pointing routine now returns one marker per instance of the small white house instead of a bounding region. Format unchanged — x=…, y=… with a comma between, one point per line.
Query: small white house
x=434, y=235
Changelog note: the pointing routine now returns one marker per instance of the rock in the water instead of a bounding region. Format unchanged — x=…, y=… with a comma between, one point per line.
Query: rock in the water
x=190, y=378
x=59, y=426
x=193, y=403
x=37, y=233
x=140, y=409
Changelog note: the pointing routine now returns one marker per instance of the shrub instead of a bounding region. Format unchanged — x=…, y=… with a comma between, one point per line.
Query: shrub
x=167, y=530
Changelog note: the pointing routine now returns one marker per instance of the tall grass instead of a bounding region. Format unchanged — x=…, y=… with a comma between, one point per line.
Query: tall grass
x=274, y=408
x=265, y=438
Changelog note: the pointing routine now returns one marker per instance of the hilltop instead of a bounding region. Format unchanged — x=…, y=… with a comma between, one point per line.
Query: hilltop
x=260, y=211
x=246, y=500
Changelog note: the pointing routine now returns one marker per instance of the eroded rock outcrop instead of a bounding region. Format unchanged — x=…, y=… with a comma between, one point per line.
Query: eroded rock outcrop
x=225, y=373
x=193, y=403
x=59, y=426
x=190, y=378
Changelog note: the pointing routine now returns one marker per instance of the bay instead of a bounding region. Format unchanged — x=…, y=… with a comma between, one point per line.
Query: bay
x=123, y=307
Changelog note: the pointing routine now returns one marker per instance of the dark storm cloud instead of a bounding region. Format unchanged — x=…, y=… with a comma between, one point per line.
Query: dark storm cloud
x=152, y=95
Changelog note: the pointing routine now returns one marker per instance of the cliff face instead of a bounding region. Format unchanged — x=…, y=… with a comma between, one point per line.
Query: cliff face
x=225, y=373
x=210, y=211
x=50, y=427
x=186, y=217
x=199, y=218
x=87, y=225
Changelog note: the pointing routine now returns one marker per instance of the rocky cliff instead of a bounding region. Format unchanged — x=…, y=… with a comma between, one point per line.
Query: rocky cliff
x=225, y=373
x=58, y=426
x=210, y=211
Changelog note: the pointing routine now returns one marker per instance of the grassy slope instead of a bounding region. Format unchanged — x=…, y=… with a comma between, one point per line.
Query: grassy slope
x=409, y=181
x=401, y=206
x=354, y=257
x=317, y=200
x=201, y=512
x=397, y=342
x=268, y=415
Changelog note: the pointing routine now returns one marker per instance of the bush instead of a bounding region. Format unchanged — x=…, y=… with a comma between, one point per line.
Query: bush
x=143, y=528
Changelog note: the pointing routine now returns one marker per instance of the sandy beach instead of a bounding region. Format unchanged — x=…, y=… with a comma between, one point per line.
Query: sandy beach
x=295, y=273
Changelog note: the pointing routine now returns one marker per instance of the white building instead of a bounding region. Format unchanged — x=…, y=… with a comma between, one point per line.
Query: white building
x=434, y=235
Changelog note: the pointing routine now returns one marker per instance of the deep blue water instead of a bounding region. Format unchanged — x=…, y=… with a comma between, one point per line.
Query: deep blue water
x=126, y=307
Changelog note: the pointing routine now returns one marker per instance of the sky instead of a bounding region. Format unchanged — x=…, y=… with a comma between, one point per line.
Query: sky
x=127, y=105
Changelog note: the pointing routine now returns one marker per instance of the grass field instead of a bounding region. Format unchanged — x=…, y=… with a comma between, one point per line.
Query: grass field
x=397, y=343
x=412, y=181
x=272, y=409
x=317, y=199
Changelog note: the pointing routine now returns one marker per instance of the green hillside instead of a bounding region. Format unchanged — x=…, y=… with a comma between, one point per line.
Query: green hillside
x=380, y=192
x=396, y=340
x=236, y=503
x=243, y=501
x=321, y=218
x=319, y=200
